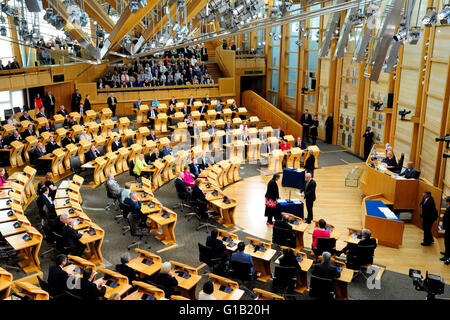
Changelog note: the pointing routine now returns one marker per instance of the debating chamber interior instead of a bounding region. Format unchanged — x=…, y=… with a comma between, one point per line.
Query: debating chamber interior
x=224, y=150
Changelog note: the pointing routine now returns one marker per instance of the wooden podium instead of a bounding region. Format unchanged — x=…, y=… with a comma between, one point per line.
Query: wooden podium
x=57, y=162
x=15, y=157
x=148, y=146
x=83, y=148
x=211, y=116
x=205, y=138
x=92, y=129
x=58, y=119
x=293, y=157
x=254, y=149
x=71, y=151
x=122, y=160
x=141, y=114
x=91, y=115
x=195, y=115
x=76, y=115
x=167, y=173
x=156, y=179
x=181, y=161
x=76, y=129
x=141, y=135
x=127, y=133
x=41, y=123
x=167, y=225
x=123, y=124
x=161, y=122
x=136, y=149
x=233, y=172
x=60, y=134
x=218, y=140
x=226, y=114
x=275, y=161
x=31, y=142
x=110, y=167
x=105, y=114
x=106, y=127
x=226, y=211
x=45, y=136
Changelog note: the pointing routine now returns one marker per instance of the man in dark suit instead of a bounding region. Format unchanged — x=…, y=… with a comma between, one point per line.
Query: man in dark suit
x=116, y=144
x=306, y=121
x=76, y=100
x=191, y=100
x=228, y=126
x=206, y=100
x=135, y=206
x=368, y=142
x=47, y=201
x=155, y=155
x=204, y=161
x=152, y=135
x=62, y=111
x=166, y=150
x=51, y=145
x=15, y=136
x=199, y=197
x=41, y=113
x=89, y=290
x=324, y=270
x=203, y=109
x=283, y=223
x=310, y=196
x=57, y=277
x=93, y=153
x=279, y=133
x=180, y=186
x=112, y=103
x=28, y=132
x=67, y=140
x=71, y=239
x=429, y=215
x=138, y=104
x=38, y=152
x=217, y=246
x=124, y=269
x=186, y=109
x=194, y=168
x=25, y=116
x=329, y=128
x=365, y=241
x=46, y=128
x=299, y=143
x=446, y=227
x=49, y=103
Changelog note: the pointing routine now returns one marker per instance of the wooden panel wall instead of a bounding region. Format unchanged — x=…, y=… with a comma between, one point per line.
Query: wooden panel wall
x=62, y=93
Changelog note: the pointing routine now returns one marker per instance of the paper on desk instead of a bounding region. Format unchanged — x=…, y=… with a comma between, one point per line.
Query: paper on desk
x=388, y=212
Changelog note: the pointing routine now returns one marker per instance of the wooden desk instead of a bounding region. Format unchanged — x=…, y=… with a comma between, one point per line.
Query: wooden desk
x=293, y=157
x=226, y=211
x=31, y=142
x=266, y=295
x=167, y=225
x=8, y=228
x=27, y=249
x=333, y=233
x=93, y=243
x=146, y=264
x=141, y=113
x=261, y=259
x=299, y=228
x=30, y=290
x=218, y=281
x=83, y=147
x=187, y=278
x=341, y=283
x=161, y=122
x=116, y=283
x=15, y=158
x=110, y=166
x=106, y=113
x=305, y=264
x=106, y=127
x=228, y=240
x=122, y=160
x=91, y=115
x=316, y=152
x=141, y=135
x=123, y=124
x=71, y=151
x=145, y=292
x=167, y=172
x=5, y=283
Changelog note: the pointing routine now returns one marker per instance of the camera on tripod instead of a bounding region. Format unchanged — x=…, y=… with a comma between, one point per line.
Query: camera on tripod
x=432, y=284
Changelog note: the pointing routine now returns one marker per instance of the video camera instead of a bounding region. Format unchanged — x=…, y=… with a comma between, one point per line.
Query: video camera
x=446, y=139
x=403, y=113
x=433, y=284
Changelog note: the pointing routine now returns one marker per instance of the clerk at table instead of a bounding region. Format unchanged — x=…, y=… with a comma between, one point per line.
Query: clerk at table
x=241, y=256
x=409, y=172
x=391, y=163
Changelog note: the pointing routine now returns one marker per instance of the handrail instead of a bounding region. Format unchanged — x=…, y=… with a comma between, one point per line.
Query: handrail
x=226, y=60
x=178, y=87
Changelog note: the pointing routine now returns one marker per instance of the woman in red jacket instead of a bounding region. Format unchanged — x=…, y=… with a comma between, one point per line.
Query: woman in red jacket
x=285, y=145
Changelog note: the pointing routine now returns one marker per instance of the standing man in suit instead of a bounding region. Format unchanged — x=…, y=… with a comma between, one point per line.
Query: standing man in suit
x=368, y=142
x=76, y=100
x=49, y=104
x=112, y=103
x=87, y=103
x=329, y=128
x=116, y=144
x=429, y=215
x=57, y=277
x=310, y=196
x=306, y=121
x=446, y=227
x=310, y=163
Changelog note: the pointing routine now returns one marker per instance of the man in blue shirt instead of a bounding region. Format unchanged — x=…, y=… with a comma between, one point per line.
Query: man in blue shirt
x=241, y=256
x=138, y=104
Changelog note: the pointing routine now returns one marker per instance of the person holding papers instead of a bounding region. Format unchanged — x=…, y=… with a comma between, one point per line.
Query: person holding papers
x=410, y=172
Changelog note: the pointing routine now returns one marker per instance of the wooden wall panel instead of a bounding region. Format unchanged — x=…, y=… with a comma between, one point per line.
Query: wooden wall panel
x=441, y=43
x=62, y=93
x=428, y=154
x=438, y=77
x=433, y=114
x=408, y=82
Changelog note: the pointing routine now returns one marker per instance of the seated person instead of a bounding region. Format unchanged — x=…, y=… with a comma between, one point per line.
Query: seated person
x=241, y=256
x=116, y=144
x=138, y=104
x=166, y=150
x=15, y=136
x=125, y=192
x=365, y=241
x=48, y=205
x=126, y=270
x=409, y=172
x=206, y=100
x=25, y=116
x=217, y=246
x=50, y=184
x=67, y=140
x=324, y=270
x=203, y=162
x=194, y=168
x=212, y=129
x=93, y=153
x=28, y=132
x=285, y=145
x=391, y=163
x=84, y=136
x=71, y=238
x=139, y=165
x=300, y=143
x=46, y=128
x=113, y=186
x=283, y=223
x=288, y=259
x=279, y=133
x=206, y=294
x=38, y=152
x=198, y=196
x=57, y=277
x=166, y=279
x=51, y=145
x=2, y=177
x=322, y=232
x=152, y=135
x=135, y=206
x=62, y=111
x=89, y=290
x=151, y=116
x=72, y=122
x=181, y=186
x=41, y=113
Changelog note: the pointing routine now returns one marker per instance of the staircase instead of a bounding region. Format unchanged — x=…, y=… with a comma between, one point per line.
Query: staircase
x=213, y=70
x=211, y=49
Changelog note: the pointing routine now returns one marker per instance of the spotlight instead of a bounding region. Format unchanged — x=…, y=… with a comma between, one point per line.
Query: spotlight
x=403, y=113
x=430, y=17
x=3, y=31
x=83, y=20
x=134, y=6
x=59, y=22
x=2, y=19
x=377, y=105
x=444, y=15
x=299, y=42
x=414, y=36
x=142, y=3
x=401, y=35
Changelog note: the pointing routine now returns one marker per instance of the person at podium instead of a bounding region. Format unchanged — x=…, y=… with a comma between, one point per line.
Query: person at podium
x=271, y=200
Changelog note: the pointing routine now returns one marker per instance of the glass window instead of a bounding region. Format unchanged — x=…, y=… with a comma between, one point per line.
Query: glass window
x=313, y=41
x=312, y=60
x=274, y=100
x=291, y=90
x=274, y=80
x=9, y=100
x=275, y=61
x=292, y=75
x=292, y=59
